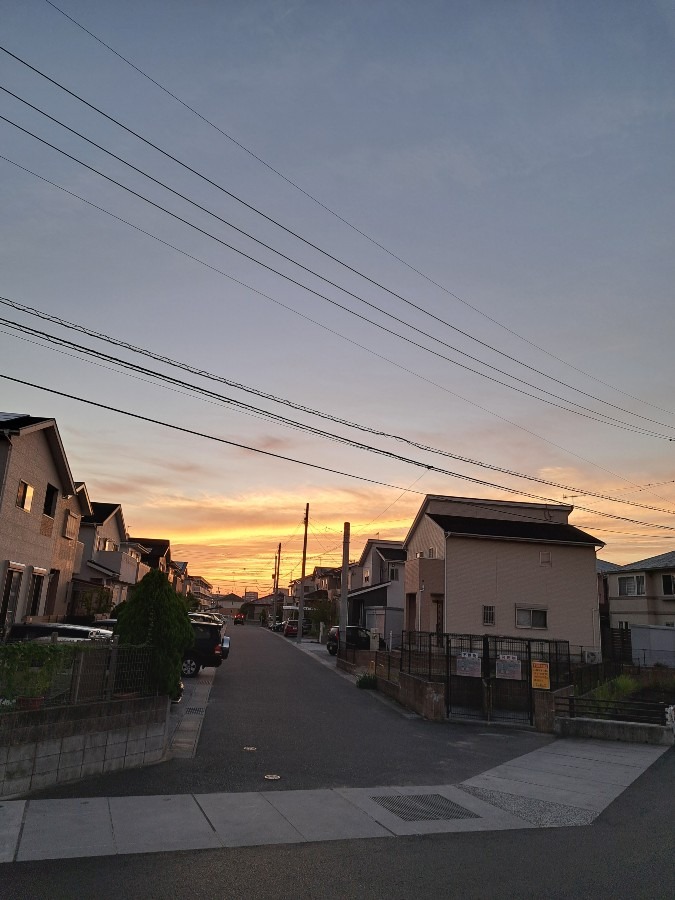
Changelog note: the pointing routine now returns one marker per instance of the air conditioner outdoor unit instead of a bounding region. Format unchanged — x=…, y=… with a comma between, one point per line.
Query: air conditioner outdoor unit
x=592, y=656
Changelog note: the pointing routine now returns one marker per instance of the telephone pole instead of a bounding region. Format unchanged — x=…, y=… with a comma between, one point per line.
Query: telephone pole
x=277, y=569
x=344, y=586
x=301, y=604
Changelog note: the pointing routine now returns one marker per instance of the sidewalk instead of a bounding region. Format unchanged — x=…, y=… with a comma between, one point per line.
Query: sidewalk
x=566, y=783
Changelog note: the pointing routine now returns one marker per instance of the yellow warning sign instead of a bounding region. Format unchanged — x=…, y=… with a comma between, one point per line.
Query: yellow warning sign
x=540, y=676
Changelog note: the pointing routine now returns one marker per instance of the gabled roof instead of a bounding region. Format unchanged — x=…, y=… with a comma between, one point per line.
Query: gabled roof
x=508, y=529
x=603, y=567
x=101, y=512
x=19, y=423
x=392, y=554
x=480, y=503
x=158, y=548
x=379, y=545
x=181, y=567
x=663, y=561
x=83, y=498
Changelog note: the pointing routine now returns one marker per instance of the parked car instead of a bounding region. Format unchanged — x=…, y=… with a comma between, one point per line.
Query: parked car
x=209, y=650
x=357, y=637
x=239, y=619
x=43, y=631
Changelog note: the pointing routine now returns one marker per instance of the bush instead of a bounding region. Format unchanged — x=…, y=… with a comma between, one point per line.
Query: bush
x=367, y=681
x=617, y=689
x=156, y=616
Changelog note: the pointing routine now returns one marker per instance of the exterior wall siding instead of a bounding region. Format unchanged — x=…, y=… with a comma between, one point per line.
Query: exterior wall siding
x=427, y=534
x=507, y=574
x=650, y=608
x=24, y=536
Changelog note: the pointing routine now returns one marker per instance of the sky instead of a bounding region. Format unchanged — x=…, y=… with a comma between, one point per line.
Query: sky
x=441, y=187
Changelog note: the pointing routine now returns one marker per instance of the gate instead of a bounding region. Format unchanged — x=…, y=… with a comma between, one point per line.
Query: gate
x=486, y=677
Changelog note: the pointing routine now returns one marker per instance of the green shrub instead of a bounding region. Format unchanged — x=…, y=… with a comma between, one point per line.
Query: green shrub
x=367, y=681
x=28, y=669
x=156, y=616
x=617, y=689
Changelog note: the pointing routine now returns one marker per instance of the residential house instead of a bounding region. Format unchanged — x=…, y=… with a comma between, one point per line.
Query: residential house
x=200, y=589
x=228, y=604
x=377, y=584
x=643, y=592
x=157, y=553
x=178, y=576
x=111, y=563
x=40, y=511
x=515, y=569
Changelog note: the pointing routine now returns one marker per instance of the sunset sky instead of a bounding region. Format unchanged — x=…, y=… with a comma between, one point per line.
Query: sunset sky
x=505, y=168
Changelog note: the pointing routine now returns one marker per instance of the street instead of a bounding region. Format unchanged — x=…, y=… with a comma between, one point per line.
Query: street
x=314, y=729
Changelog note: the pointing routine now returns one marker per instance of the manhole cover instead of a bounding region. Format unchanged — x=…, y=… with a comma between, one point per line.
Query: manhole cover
x=195, y=710
x=272, y=777
x=424, y=808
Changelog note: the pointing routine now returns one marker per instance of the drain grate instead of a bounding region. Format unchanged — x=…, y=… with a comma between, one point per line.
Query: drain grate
x=195, y=710
x=424, y=808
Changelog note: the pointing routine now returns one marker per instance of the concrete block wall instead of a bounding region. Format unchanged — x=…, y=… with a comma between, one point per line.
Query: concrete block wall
x=39, y=748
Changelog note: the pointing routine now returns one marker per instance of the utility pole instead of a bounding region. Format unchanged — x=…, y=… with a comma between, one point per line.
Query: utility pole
x=277, y=569
x=344, y=586
x=301, y=604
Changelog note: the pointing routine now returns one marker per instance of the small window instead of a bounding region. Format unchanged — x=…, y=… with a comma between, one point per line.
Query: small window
x=366, y=576
x=432, y=553
x=631, y=585
x=668, y=585
x=527, y=617
x=393, y=573
x=488, y=615
x=51, y=498
x=24, y=497
x=544, y=557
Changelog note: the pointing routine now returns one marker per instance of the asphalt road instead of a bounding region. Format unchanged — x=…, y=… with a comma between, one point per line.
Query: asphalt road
x=627, y=853
x=311, y=727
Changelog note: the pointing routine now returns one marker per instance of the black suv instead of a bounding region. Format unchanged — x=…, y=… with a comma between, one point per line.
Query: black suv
x=209, y=650
x=357, y=637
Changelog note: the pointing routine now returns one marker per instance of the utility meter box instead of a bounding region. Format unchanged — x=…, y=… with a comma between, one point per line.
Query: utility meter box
x=374, y=640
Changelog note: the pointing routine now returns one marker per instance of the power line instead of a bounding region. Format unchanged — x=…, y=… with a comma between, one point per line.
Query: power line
x=588, y=414
x=326, y=434
x=350, y=225
x=367, y=349
x=332, y=471
x=308, y=243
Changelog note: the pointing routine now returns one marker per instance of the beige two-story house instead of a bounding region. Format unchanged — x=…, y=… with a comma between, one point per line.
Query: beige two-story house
x=643, y=592
x=40, y=511
x=513, y=569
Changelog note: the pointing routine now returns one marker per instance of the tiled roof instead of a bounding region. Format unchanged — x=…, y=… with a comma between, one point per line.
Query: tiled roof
x=508, y=529
x=664, y=561
x=603, y=567
x=12, y=421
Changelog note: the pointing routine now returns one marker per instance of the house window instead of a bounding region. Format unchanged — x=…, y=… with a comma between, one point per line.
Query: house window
x=668, y=585
x=51, y=497
x=488, y=615
x=624, y=626
x=528, y=617
x=393, y=573
x=432, y=553
x=34, y=594
x=631, y=585
x=24, y=497
x=366, y=576
x=544, y=557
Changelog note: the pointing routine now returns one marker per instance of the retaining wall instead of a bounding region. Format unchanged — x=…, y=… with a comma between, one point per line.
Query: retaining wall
x=42, y=747
x=608, y=730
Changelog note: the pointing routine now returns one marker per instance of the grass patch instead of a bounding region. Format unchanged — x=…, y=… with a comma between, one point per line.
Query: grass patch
x=617, y=689
x=367, y=681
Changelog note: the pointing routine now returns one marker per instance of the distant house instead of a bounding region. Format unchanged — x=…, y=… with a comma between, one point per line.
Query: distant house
x=515, y=569
x=376, y=595
x=228, y=604
x=178, y=576
x=200, y=589
x=643, y=592
x=157, y=553
x=111, y=563
x=40, y=511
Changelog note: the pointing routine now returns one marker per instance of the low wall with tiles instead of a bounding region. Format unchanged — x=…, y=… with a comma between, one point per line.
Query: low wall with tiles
x=39, y=748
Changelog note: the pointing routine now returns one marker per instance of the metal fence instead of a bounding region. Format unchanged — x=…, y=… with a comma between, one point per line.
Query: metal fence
x=72, y=674
x=615, y=710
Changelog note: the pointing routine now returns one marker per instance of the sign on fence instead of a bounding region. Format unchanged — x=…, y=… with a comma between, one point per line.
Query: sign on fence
x=540, y=676
x=469, y=664
x=507, y=666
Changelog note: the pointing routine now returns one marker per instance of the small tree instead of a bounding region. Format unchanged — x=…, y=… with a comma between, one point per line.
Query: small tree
x=155, y=616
